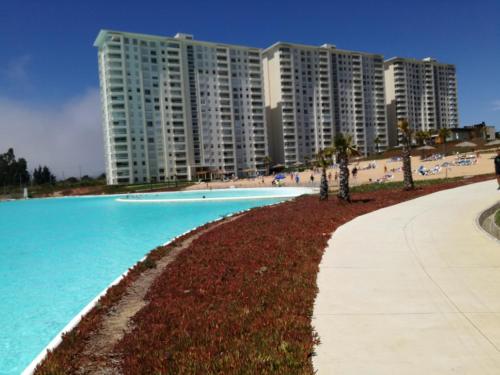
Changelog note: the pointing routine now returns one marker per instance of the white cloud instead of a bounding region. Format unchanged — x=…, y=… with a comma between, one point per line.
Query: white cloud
x=16, y=72
x=64, y=137
x=495, y=105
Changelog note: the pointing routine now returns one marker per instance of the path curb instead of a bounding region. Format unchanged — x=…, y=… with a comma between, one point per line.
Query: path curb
x=486, y=221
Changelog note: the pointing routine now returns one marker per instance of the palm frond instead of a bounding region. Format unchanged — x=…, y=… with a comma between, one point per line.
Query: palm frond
x=344, y=143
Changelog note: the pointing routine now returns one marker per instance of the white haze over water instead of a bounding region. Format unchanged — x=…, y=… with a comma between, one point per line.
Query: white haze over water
x=65, y=137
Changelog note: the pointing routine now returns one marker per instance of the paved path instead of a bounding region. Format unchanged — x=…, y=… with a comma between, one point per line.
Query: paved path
x=412, y=289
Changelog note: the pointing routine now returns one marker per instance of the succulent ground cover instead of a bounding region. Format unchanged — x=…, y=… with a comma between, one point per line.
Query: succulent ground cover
x=238, y=299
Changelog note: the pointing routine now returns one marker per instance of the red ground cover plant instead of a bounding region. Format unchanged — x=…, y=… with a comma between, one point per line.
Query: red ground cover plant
x=239, y=299
x=67, y=358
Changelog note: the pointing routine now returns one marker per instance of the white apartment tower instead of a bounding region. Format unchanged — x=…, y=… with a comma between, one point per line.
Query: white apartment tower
x=422, y=91
x=312, y=93
x=177, y=108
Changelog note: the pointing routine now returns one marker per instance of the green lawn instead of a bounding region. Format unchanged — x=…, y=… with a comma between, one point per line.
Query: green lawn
x=399, y=184
x=98, y=187
x=117, y=189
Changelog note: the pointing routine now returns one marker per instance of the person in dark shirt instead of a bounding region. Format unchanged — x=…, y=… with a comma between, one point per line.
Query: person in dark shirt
x=497, y=167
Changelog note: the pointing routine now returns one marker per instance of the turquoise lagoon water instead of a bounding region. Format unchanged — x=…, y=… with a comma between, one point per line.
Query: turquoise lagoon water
x=57, y=254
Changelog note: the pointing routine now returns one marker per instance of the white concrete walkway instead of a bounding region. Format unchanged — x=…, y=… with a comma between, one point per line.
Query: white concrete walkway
x=412, y=289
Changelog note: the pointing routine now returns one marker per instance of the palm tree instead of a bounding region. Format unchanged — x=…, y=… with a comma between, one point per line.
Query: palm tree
x=406, y=134
x=377, y=142
x=444, y=133
x=421, y=137
x=267, y=163
x=323, y=160
x=343, y=149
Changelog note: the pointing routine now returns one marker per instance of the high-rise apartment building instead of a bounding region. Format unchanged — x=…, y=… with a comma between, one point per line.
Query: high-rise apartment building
x=422, y=91
x=312, y=93
x=178, y=108
x=174, y=107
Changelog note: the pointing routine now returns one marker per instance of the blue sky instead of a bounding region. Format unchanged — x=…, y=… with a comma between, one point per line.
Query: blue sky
x=48, y=64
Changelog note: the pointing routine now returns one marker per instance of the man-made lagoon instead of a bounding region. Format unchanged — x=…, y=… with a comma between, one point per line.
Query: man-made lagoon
x=57, y=254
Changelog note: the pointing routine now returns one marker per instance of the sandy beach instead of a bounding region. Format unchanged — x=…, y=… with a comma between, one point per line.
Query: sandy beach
x=377, y=172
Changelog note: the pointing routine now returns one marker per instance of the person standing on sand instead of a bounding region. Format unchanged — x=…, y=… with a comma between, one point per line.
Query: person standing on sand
x=312, y=179
x=497, y=167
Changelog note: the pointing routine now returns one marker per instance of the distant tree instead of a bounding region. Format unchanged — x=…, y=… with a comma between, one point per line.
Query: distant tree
x=71, y=180
x=20, y=171
x=13, y=171
x=48, y=177
x=42, y=175
x=36, y=176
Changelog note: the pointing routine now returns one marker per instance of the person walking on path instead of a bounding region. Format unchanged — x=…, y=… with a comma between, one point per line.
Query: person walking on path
x=354, y=172
x=497, y=167
x=312, y=179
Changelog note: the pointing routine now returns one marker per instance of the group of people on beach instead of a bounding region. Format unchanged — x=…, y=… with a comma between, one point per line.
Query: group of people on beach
x=298, y=178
